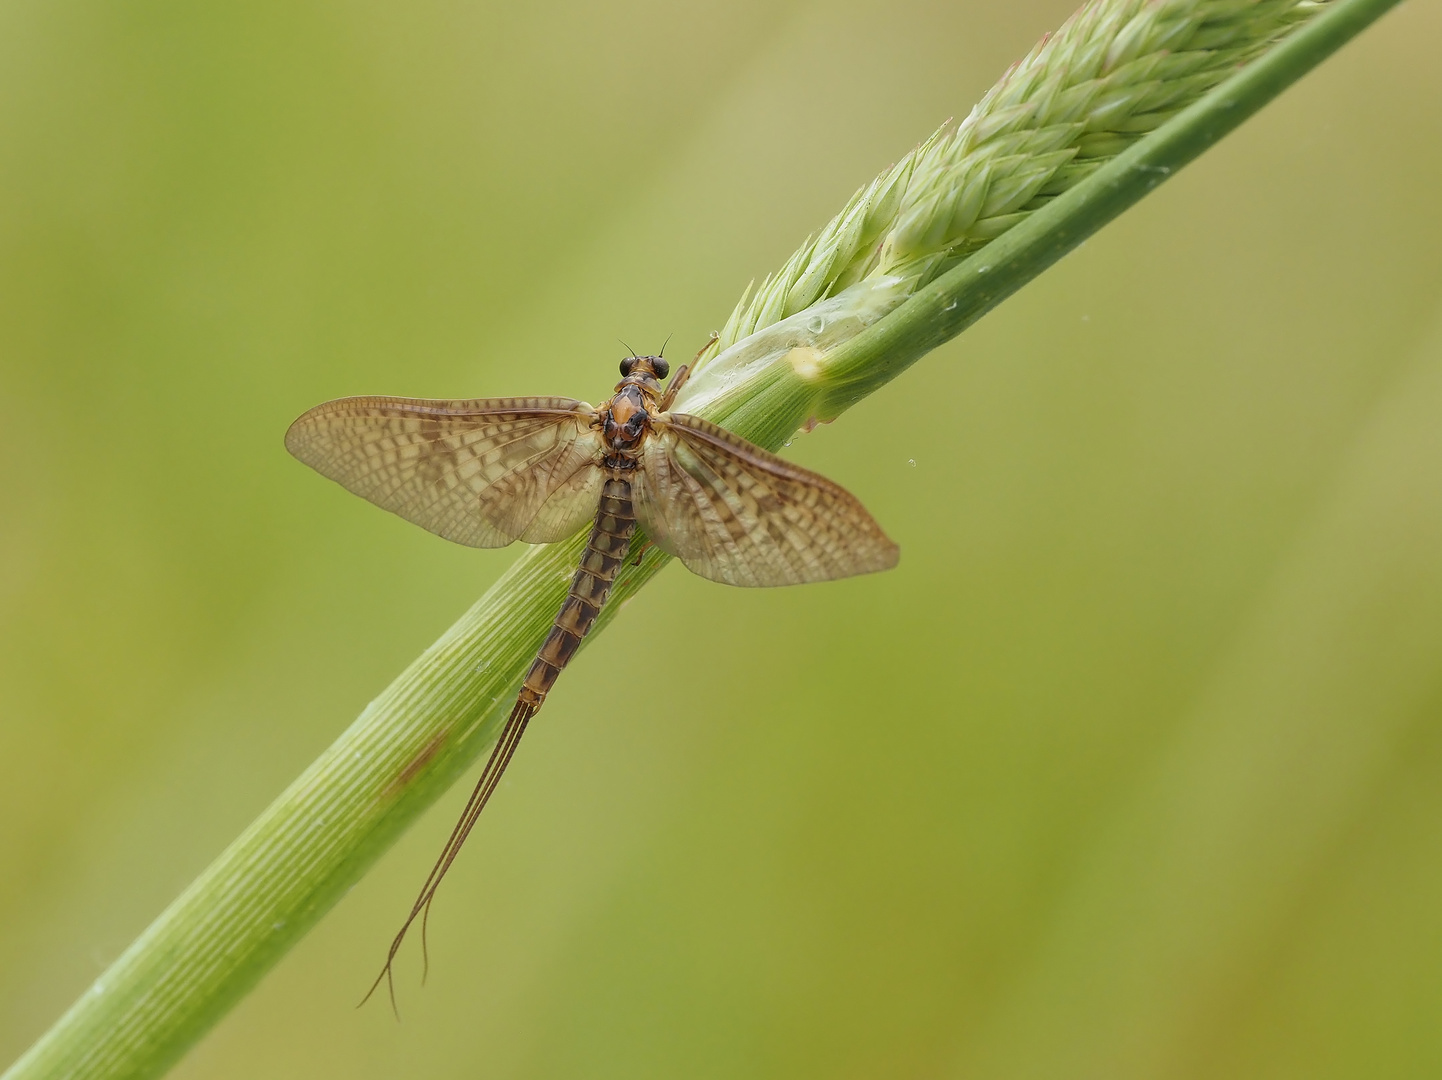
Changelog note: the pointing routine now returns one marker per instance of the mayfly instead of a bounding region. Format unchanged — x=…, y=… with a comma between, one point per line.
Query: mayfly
x=489, y=471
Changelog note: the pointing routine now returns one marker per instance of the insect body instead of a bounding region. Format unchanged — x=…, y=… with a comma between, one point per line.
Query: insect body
x=490, y=471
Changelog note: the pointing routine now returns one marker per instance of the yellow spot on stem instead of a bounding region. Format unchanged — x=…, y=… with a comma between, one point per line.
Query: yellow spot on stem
x=806, y=361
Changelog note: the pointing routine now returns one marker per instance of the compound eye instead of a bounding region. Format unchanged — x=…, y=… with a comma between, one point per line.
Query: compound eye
x=628, y=365
x=660, y=367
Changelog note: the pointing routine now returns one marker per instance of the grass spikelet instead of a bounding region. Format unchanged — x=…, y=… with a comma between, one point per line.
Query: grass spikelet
x=1114, y=72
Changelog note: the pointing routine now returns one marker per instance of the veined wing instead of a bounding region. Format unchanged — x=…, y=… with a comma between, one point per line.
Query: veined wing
x=736, y=514
x=482, y=472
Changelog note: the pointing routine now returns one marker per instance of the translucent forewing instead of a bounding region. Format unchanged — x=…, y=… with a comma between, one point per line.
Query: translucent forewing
x=482, y=472
x=734, y=513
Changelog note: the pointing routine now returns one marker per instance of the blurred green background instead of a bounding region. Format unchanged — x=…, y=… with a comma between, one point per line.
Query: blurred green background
x=1132, y=769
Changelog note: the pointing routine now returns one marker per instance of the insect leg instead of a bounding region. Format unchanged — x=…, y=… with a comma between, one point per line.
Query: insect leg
x=684, y=372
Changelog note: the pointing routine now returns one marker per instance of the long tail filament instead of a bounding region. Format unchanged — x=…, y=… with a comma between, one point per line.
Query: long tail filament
x=500, y=757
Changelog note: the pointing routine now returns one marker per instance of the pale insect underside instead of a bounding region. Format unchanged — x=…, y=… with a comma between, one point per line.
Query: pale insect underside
x=490, y=471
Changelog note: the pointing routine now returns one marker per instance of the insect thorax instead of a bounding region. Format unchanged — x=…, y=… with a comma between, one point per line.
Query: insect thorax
x=626, y=419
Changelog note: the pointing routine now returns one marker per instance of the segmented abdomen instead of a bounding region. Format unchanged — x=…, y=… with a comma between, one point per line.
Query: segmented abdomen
x=604, y=555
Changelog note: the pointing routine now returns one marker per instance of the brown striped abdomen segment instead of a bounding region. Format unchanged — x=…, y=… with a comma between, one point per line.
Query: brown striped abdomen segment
x=604, y=555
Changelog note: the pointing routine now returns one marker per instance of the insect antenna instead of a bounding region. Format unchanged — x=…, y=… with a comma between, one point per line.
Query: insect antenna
x=666, y=342
x=628, y=349
x=500, y=757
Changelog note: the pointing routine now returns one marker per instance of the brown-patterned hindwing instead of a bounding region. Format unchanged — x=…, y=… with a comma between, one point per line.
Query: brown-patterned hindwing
x=734, y=513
